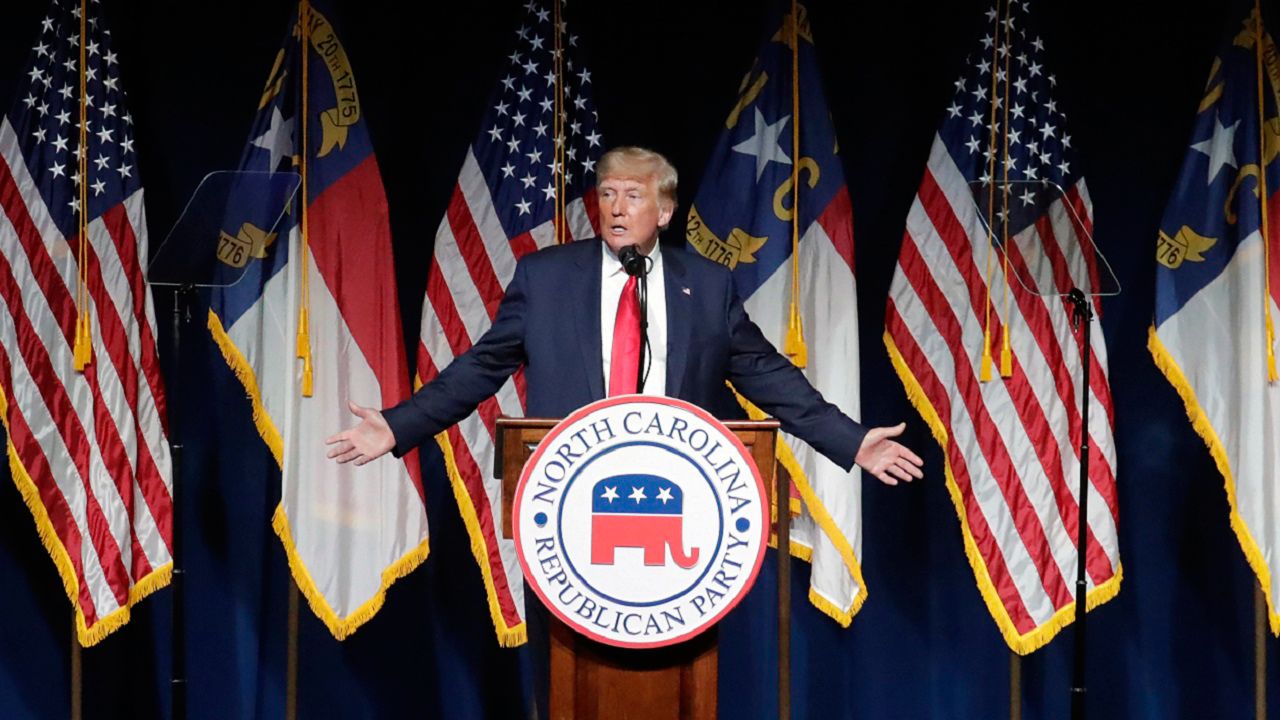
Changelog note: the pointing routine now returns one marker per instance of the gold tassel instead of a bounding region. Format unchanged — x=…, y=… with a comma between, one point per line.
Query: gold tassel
x=1006, y=354
x=304, y=350
x=82, y=353
x=1272, y=376
x=984, y=368
x=794, y=346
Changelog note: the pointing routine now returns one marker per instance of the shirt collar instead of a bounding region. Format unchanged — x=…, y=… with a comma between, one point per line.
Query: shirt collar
x=611, y=265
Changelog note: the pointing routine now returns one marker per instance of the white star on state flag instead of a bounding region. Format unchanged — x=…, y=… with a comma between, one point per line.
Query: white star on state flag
x=763, y=145
x=278, y=138
x=1220, y=147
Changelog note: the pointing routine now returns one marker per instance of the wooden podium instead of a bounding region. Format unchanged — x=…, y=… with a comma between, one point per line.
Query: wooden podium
x=590, y=680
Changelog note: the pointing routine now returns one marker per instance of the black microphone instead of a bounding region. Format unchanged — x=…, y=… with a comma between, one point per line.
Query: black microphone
x=632, y=261
x=637, y=266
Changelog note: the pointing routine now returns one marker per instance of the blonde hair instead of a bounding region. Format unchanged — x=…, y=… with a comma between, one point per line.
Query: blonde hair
x=632, y=161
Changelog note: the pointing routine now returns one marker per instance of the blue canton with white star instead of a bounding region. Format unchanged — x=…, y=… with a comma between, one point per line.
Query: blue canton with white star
x=1040, y=165
x=515, y=146
x=46, y=117
x=753, y=158
x=1216, y=193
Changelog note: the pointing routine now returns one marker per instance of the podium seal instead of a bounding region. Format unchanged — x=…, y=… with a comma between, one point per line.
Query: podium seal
x=640, y=521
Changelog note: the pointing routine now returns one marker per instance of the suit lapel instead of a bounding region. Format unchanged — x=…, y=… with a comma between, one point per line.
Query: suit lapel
x=586, y=310
x=679, y=310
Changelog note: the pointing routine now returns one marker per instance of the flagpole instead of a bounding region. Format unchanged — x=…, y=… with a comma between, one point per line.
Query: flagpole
x=1270, y=336
x=1259, y=653
x=1015, y=686
x=793, y=345
x=81, y=347
x=1259, y=600
x=303, y=339
x=557, y=127
x=782, y=501
x=1006, y=352
x=984, y=364
x=77, y=702
x=291, y=661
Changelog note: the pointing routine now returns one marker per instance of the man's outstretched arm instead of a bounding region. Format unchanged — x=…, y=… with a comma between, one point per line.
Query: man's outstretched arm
x=778, y=387
x=470, y=379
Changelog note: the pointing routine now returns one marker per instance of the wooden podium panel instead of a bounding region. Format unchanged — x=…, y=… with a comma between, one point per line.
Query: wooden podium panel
x=591, y=680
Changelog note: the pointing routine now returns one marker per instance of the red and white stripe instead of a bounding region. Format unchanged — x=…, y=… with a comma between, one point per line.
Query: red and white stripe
x=1010, y=444
x=474, y=262
x=92, y=445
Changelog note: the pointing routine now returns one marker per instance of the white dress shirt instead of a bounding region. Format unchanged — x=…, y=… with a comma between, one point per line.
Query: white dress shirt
x=612, y=279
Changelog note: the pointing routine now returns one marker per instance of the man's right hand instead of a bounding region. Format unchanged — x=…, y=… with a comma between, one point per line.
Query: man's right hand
x=887, y=459
x=369, y=440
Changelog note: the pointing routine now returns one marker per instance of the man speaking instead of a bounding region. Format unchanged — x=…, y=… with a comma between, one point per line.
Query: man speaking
x=572, y=317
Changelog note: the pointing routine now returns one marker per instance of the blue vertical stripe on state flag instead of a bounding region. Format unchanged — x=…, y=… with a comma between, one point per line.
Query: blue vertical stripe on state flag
x=753, y=159
x=1220, y=170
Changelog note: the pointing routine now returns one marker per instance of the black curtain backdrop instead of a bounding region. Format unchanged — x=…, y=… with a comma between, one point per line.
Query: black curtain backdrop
x=1176, y=642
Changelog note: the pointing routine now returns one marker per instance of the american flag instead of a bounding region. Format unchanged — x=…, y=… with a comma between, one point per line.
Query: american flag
x=92, y=455
x=504, y=207
x=1011, y=438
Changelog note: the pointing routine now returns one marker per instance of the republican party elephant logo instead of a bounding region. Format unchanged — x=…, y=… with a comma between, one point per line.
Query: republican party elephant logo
x=639, y=511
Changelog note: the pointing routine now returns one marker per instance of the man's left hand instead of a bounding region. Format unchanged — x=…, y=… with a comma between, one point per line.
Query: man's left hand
x=886, y=458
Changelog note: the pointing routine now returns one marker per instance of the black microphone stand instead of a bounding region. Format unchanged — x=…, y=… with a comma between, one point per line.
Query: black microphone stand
x=1082, y=312
x=178, y=673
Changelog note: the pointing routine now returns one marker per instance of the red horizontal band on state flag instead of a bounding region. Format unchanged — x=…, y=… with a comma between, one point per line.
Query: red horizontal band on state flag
x=837, y=221
x=350, y=242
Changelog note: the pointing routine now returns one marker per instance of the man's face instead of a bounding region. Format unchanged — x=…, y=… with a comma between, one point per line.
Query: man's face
x=631, y=211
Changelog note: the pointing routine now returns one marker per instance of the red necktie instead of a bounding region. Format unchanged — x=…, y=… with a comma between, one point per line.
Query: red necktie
x=624, y=362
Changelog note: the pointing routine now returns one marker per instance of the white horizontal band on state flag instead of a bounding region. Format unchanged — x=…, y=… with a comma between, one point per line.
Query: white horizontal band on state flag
x=337, y=510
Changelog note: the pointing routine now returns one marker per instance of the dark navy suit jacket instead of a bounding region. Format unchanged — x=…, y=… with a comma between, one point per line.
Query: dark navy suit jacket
x=549, y=321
